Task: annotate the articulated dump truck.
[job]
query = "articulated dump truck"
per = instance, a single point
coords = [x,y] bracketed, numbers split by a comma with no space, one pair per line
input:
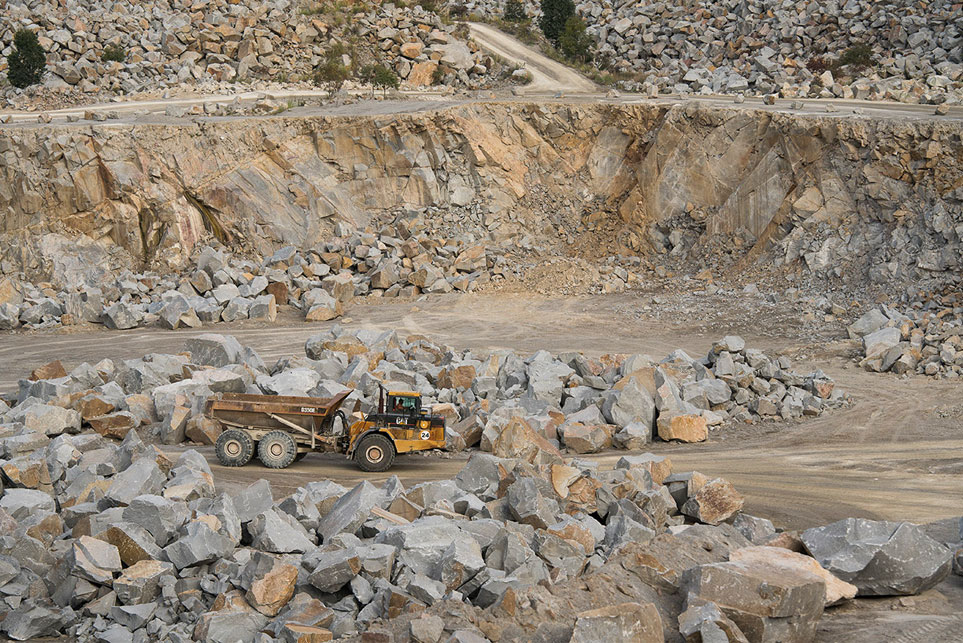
[283,429]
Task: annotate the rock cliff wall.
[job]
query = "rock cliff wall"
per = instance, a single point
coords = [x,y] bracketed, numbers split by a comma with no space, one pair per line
[846,197]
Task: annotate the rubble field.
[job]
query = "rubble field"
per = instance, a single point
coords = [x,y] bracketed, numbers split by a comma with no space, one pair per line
[700,372]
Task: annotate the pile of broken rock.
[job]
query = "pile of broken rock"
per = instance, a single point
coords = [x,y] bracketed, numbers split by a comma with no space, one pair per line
[121,543]
[171,44]
[927,342]
[219,287]
[499,401]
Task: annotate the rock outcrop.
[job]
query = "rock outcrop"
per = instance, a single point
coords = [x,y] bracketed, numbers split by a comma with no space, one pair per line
[847,199]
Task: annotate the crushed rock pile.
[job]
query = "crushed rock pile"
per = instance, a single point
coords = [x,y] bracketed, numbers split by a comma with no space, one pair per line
[732,46]
[927,341]
[218,286]
[214,45]
[498,401]
[121,543]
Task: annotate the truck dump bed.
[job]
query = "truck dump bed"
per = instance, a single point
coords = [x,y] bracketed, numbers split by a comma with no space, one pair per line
[272,412]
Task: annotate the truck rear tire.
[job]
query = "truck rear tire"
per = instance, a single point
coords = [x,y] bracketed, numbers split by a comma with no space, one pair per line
[234,448]
[277,450]
[375,452]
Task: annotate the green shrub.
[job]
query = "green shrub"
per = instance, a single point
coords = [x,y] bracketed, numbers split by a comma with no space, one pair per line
[113,53]
[514,11]
[574,42]
[457,10]
[331,74]
[384,78]
[27,62]
[857,57]
[555,13]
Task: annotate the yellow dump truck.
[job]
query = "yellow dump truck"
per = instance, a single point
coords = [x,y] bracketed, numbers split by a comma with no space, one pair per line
[283,429]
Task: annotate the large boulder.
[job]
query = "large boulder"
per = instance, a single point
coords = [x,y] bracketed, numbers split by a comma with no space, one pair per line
[637,622]
[769,603]
[629,403]
[881,558]
[214,350]
[519,440]
[583,438]
[714,502]
[837,590]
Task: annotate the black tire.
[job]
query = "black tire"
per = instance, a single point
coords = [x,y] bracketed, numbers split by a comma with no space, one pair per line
[277,450]
[375,452]
[234,448]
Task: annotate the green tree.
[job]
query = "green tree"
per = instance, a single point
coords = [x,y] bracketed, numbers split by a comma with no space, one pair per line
[555,13]
[574,42]
[384,78]
[514,11]
[27,61]
[332,73]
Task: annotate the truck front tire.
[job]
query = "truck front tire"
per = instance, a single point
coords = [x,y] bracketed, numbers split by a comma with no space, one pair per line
[234,448]
[374,452]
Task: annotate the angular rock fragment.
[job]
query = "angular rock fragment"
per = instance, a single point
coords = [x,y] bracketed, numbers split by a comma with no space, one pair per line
[836,589]
[715,502]
[624,622]
[881,558]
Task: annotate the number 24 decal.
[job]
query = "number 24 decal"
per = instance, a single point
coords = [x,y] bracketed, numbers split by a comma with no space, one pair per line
[425,435]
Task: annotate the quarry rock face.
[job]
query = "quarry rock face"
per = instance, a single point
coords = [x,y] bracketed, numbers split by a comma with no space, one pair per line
[890,182]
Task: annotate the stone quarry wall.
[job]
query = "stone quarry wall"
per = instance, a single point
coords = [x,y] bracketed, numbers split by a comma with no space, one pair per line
[847,197]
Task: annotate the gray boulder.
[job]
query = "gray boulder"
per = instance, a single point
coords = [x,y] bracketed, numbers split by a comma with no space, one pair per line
[32,620]
[277,532]
[214,350]
[199,544]
[632,404]
[334,570]
[254,500]
[121,316]
[350,511]
[881,558]
[23,503]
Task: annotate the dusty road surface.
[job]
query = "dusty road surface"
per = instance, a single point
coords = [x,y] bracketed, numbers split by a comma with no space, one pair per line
[548,76]
[895,453]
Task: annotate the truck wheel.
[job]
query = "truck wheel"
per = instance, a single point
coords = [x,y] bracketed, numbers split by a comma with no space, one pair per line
[277,449]
[375,452]
[234,448]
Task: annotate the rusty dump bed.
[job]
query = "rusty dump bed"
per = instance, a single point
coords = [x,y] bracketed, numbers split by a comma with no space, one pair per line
[256,411]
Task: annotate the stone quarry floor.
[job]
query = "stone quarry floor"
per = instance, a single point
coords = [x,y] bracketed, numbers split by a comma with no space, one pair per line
[895,453]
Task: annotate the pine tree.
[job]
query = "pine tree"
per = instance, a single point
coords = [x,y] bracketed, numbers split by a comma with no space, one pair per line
[27,61]
[555,13]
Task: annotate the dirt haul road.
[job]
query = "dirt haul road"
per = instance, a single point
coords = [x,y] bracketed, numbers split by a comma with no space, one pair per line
[894,454]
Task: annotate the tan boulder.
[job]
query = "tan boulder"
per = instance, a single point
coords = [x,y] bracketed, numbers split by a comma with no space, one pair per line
[93,405]
[271,592]
[422,74]
[837,590]
[683,427]
[113,425]
[457,377]
[412,49]
[519,440]
[716,501]
[203,430]
[637,622]
[50,371]
[305,633]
